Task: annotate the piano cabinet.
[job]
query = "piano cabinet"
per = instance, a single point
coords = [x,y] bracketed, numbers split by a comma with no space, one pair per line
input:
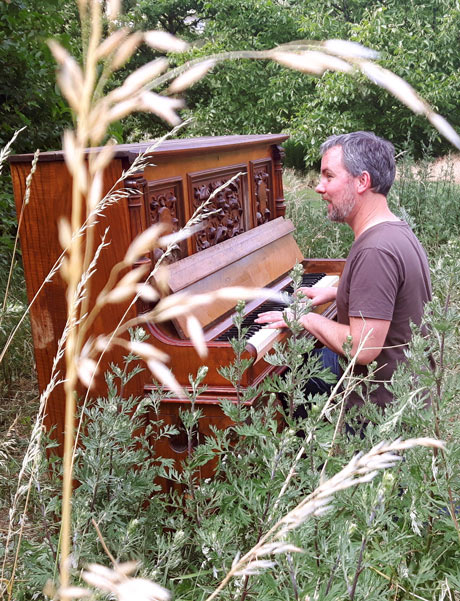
[177,177]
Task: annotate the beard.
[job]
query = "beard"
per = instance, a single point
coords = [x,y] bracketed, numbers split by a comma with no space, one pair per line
[339,212]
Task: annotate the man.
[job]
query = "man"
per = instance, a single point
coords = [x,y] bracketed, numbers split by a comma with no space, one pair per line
[386,280]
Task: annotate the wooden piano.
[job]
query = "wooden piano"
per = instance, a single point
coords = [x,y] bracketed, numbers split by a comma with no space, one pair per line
[248,242]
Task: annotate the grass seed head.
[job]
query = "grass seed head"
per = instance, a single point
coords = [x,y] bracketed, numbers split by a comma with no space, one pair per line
[141,77]
[125,51]
[311,61]
[395,85]
[191,76]
[64,233]
[86,369]
[162,106]
[195,333]
[112,9]
[161,40]
[103,158]
[111,43]
[147,351]
[349,49]
[147,293]
[144,243]
[165,376]
[444,128]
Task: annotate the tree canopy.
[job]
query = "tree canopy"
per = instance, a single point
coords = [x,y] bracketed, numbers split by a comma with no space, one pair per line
[416,39]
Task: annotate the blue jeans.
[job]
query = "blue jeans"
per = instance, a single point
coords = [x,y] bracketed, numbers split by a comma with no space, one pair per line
[327,359]
[315,385]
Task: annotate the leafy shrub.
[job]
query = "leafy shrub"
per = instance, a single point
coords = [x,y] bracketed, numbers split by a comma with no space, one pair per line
[397,533]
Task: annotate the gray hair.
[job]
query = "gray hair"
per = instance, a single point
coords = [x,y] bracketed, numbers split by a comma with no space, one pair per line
[364,151]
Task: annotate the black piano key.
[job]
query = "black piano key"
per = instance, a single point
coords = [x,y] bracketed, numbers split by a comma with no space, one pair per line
[308,279]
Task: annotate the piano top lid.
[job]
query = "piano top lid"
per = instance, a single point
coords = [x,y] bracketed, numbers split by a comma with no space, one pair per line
[182,146]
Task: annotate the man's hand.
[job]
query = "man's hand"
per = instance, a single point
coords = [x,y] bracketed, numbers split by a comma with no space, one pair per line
[273,319]
[318,296]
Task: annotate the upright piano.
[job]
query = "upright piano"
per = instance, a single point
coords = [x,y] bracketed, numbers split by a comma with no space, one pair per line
[246,242]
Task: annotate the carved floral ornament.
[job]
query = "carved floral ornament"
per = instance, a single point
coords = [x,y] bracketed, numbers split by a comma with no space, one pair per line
[228,221]
[263,195]
[163,207]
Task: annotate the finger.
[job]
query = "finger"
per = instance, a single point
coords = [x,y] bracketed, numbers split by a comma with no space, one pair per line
[266,320]
[309,292]
[268,316]
[275,325]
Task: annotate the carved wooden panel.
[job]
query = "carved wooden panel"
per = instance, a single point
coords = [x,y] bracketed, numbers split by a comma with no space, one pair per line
[228,208]
[135,199]
[278,155]
[137,223]
[164,204]
[262,191]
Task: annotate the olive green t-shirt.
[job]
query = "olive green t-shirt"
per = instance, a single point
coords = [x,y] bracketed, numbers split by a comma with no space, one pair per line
[386,276]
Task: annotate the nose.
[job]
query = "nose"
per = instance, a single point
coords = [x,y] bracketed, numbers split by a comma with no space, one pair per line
[320,187]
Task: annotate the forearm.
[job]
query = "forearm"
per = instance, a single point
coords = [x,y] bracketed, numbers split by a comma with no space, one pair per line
[368,335]
[328,332]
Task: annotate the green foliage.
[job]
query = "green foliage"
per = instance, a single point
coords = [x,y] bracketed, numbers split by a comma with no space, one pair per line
[29,96]
[393,534]
[429,204]
[314,233]
[117,490]
[422,52]
[17,365]
[252,97]
[249,96]
[234,372]
[13,302]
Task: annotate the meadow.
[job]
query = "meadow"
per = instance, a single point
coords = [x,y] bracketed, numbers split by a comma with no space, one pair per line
[298,508]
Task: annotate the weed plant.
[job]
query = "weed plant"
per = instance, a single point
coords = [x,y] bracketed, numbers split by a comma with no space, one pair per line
[430,205]
[395,535]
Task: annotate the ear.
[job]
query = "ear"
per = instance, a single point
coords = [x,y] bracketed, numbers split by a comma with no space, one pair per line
[364,182]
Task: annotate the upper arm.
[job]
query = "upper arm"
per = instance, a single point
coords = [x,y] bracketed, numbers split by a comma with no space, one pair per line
[372,298]
[370,334]
[374,284]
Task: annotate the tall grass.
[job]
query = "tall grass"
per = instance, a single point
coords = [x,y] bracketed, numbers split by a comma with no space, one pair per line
[220,528]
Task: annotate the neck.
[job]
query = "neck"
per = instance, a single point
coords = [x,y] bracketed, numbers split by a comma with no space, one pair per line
[372,210]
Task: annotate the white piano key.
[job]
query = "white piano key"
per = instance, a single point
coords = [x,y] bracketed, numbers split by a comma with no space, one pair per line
[327,281]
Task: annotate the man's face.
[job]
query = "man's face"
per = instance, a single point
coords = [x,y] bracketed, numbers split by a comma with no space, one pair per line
[336,186]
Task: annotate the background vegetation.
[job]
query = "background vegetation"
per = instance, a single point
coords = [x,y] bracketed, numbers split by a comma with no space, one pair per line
[417,39]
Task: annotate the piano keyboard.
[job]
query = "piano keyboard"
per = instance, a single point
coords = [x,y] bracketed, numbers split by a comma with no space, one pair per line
[261,338]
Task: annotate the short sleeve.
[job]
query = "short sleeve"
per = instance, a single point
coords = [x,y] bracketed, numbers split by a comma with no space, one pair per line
[374,284]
